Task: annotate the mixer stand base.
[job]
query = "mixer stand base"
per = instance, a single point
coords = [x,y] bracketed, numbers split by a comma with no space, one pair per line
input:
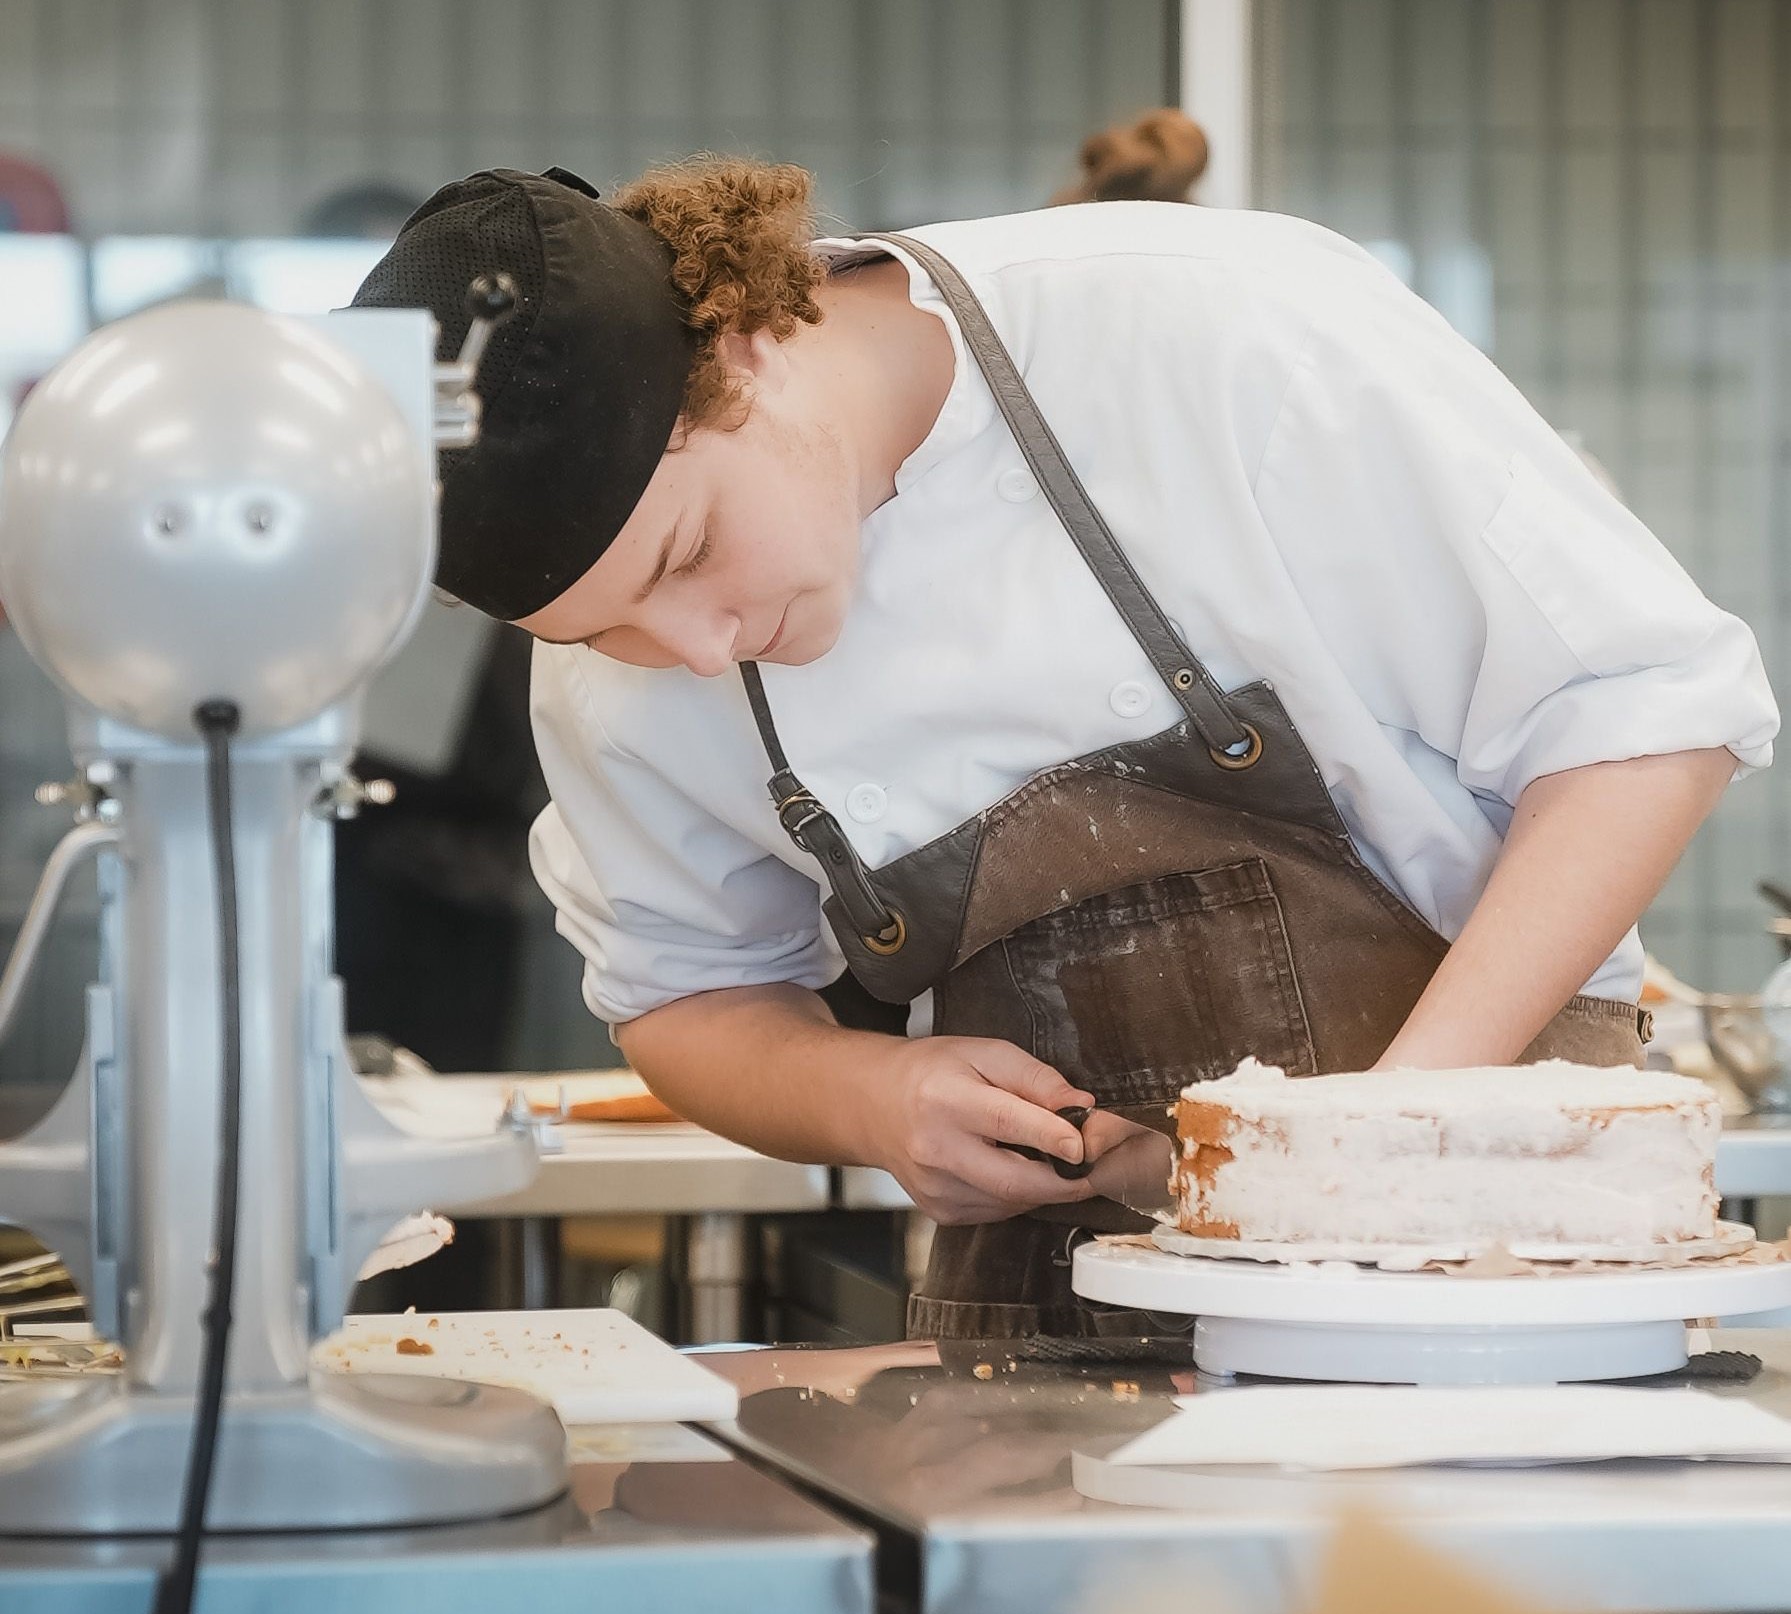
[85,1457]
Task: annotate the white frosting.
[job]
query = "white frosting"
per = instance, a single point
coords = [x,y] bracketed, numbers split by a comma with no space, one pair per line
[1255,1089]
[1542,1153]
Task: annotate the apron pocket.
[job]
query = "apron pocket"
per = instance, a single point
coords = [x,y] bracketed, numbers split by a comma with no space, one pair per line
[1137,993]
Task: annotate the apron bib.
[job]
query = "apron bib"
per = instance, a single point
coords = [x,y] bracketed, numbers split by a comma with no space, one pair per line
[1140,918]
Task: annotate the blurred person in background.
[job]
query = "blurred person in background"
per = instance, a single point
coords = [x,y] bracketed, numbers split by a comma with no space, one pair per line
[368,210]
[1155,158]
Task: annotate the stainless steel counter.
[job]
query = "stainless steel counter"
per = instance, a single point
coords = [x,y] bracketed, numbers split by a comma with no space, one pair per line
[661,1520]
[992,1494]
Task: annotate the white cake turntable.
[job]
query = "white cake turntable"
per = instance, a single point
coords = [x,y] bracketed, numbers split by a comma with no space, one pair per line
[1349,1320]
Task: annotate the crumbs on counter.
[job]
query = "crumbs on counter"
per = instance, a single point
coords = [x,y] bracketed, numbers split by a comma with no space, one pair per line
[983,1370]
[1125,1390]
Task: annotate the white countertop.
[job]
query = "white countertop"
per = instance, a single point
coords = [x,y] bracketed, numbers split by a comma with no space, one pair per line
[604,1168]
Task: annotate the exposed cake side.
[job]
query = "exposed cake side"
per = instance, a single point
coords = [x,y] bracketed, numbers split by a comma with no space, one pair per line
[1552,1153]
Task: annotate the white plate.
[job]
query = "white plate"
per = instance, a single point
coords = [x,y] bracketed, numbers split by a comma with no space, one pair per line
[1730,1239]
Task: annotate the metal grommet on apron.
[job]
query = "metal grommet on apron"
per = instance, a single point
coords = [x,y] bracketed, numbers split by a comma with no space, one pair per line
[890,940]
[1219,909]
[1243,756]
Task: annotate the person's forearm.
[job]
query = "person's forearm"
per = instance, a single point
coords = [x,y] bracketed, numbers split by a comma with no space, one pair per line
[1586,853]
[767,1066]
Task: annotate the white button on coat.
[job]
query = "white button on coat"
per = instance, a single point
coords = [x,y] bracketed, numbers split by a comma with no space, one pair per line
[1017,486]
[1130,699]
[865,804]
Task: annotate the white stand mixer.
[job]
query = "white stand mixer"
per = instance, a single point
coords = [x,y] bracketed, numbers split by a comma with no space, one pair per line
[206,503]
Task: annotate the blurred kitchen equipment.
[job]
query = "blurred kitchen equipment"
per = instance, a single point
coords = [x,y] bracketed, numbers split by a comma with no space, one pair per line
[1746,1036]
[1745,1047]
[1779,926]
[215,524]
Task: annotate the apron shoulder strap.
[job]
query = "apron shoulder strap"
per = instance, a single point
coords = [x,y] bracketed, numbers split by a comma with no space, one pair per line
[1232,743]
[817,832]
[1192,685]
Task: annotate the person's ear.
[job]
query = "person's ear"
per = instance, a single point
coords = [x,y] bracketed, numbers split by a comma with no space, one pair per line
[759,361]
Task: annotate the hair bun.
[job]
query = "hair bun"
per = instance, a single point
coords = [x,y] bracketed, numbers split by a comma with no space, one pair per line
[1157,158]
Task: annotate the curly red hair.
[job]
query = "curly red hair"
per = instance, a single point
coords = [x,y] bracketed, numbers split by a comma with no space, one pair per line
[740,234]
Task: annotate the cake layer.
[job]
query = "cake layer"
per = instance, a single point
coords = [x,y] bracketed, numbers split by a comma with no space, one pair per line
[1551,1153]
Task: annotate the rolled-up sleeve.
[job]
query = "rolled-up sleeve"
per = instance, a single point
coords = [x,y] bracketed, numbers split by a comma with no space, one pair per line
[662,899]
[1473,579]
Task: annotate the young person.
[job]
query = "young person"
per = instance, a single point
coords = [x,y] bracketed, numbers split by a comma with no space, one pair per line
[1166,641]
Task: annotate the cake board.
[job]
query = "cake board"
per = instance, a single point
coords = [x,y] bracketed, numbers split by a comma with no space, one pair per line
[1729,1238]
[1357,1324]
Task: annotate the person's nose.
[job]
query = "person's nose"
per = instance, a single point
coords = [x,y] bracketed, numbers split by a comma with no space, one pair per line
[702,641]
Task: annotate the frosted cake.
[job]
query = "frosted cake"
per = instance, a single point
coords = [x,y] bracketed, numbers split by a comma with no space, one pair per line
[1537,1154]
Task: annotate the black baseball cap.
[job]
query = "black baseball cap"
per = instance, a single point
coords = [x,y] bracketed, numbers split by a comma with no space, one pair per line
[581,386]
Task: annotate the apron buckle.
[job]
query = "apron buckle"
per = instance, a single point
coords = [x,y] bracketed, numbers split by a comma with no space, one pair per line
[796,813]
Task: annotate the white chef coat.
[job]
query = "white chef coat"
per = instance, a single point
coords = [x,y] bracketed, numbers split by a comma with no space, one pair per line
[1324,487]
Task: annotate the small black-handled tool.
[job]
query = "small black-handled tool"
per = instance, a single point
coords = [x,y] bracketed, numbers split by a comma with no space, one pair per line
[1077,1115]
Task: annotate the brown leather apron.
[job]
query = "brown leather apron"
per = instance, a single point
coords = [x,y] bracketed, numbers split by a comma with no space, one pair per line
[1140,918]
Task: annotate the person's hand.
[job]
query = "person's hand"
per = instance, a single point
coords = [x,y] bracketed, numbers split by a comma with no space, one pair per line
[946,1102]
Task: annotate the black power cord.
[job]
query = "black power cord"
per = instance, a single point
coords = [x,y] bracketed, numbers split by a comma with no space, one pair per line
[217,721]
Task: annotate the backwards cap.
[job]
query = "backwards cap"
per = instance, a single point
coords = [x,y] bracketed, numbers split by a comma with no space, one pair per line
[581,386]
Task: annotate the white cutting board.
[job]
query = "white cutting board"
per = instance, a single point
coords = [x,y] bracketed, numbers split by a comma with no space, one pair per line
[597,1366]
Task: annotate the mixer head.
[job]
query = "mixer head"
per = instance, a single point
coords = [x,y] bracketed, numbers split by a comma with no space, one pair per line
[210,502]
